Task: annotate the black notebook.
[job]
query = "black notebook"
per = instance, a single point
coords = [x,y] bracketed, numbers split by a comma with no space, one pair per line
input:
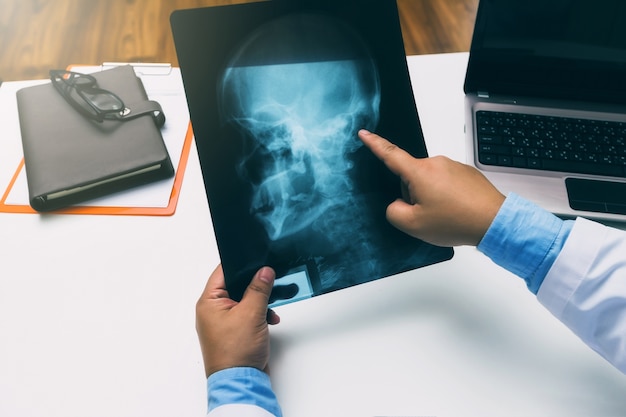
[70,158]
[277,91]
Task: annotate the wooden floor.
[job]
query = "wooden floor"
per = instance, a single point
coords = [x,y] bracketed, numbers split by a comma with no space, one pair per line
[37,35]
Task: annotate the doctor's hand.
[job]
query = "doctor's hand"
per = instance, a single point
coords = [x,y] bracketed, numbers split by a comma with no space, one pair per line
[445,203]
[235,334]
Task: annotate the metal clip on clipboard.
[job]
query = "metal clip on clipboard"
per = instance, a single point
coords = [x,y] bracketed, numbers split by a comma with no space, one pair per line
[142,68]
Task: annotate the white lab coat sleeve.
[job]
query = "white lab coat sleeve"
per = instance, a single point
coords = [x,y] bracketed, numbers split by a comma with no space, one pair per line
[586,288]
[239,410]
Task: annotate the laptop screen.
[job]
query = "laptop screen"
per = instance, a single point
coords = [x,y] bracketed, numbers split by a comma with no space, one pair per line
[574,49]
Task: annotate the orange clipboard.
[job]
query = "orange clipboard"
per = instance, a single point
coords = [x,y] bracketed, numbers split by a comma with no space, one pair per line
[168,210]
[165,210]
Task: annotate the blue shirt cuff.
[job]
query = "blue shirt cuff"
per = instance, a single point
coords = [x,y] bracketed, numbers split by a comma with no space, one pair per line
[525,239]
[242,386]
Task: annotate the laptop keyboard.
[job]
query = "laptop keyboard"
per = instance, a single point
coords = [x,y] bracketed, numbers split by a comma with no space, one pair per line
[551,143]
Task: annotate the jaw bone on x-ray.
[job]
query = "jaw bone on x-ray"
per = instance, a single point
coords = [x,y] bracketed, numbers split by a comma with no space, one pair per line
[300,94]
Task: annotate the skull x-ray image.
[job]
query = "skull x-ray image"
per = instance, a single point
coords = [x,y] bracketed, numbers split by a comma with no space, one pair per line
[300,120]
[289,183]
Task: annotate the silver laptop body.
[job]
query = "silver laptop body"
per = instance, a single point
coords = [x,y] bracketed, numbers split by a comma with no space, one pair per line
[548,60]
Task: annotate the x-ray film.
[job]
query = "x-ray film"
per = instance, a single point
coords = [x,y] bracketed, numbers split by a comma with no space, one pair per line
[277,91]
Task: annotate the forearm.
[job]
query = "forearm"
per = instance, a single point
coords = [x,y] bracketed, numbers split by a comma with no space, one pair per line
[525,239]
[577,269]
[234,390]
[586,289]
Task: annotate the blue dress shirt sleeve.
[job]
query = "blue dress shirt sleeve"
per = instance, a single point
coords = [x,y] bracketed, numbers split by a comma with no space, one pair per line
[248,386]
[525,239]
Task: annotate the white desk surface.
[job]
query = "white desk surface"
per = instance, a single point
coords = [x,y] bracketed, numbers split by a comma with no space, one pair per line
[97,318]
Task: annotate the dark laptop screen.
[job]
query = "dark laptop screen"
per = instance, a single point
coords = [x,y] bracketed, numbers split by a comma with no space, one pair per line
[550,48]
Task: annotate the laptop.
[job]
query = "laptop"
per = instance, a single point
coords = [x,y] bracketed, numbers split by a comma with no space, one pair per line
[546,103]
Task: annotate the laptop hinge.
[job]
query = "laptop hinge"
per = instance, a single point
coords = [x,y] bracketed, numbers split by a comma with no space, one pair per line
[483,94]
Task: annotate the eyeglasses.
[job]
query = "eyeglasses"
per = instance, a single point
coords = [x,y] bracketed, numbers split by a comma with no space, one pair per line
[82,92]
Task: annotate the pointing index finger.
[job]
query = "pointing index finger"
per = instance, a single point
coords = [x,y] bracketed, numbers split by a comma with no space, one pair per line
[394,157]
